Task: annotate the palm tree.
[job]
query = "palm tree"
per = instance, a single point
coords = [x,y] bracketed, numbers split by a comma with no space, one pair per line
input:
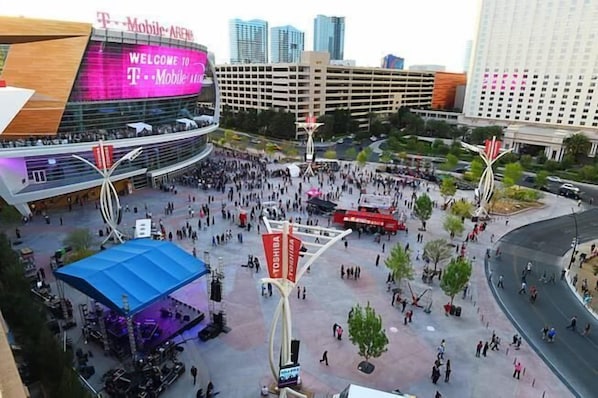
[577,145]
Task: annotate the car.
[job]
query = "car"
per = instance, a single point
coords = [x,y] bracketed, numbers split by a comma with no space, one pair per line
[255,141]
[373,138]
[340,141]
[570,187]
[554,179]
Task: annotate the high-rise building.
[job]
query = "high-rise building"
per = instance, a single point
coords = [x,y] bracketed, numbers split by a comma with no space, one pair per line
[467,55]
[329,35]
[248,41]
[534,71]
[393,62]
[287,43]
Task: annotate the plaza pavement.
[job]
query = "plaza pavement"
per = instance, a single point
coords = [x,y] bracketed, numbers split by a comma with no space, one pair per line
[237,362]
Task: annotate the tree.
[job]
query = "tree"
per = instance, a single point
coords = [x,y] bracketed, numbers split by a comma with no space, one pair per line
[541,179]
[423,209]
[577,145]
[386,156]
[79,239]
[362,158]
[399,263]
[462,209]
[351,153]
[453,225]
[402,156]
[455,277]
[512,174]
[437,250]
[330,154]
[479,134]
[229,136]
[450,163]
[476,169]
[448,188]
[366,332]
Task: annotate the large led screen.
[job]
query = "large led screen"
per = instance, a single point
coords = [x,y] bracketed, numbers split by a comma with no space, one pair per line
[111,71]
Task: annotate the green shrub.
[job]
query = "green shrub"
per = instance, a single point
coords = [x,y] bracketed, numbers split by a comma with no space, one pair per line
[522,194]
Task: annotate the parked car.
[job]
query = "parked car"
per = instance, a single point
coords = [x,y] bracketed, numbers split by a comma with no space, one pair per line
[373,138]
[554,179]
[340,141]
[570,187]
[255,141]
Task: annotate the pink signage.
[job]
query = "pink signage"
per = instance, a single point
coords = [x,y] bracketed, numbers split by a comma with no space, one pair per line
[111,71]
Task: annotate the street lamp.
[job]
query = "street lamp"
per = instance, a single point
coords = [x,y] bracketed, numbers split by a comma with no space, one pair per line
[575,240]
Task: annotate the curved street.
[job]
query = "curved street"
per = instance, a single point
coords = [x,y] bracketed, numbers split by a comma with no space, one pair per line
[572,356]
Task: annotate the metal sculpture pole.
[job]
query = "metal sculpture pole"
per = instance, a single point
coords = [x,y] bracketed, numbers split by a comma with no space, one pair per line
[490,154]
[285,286]
[109,201]
[310,126]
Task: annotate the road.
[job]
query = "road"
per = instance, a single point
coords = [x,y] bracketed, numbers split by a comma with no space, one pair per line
[573,356]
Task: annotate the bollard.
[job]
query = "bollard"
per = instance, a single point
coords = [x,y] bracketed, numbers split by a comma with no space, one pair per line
[507,352]
[514,360]
[523,371]
[533,382]
[487,323]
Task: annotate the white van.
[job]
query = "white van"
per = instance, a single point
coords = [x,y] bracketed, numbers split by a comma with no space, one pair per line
[355,391]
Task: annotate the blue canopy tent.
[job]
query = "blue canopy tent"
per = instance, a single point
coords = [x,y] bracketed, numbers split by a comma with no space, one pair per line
[144,270]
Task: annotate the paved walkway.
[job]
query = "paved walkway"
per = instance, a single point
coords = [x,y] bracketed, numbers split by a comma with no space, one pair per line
[237,362]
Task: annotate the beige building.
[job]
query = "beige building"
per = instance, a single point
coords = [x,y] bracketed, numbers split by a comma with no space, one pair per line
[11,385]
[316,87]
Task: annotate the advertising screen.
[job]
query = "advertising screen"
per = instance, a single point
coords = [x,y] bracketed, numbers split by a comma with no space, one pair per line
[111,71]
[288,376]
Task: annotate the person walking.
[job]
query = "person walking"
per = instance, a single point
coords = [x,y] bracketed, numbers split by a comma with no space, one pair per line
[298,292]
[544,331]
[339,332]
[194,374]
[377,260]
[485,349]
[517,371]
[303,293]
[478,349]
[586,330]
[523,287]
[334,328]
[573,323]
[324,358]
[435,374]
[500,282]
[447,371]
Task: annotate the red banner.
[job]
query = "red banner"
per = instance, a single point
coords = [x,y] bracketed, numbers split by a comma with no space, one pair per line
[273,250]
[293,253]
[105,162]
[274,259]
[490,151]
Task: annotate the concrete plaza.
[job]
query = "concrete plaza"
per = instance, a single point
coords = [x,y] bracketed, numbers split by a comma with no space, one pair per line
[237,362]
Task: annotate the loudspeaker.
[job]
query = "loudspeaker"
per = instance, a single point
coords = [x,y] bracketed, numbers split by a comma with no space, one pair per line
[295,351]
[219,319]
[216,290]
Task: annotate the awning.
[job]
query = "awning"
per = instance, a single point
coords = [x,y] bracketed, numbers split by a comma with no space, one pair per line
[188,123]
[358,220]
[140,126]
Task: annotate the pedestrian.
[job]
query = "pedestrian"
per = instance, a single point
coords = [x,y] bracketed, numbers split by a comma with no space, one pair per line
[194,374]
[523,287]
[490,276]
[383,247]
[61,221]
[298,292]
[263,289]
[324,358]
[339,332]
[199,393]
[409,315]
[303,292]
[447,371]
[573,323]
[334,327]
[551,335]
[500,282]
[269,289]
[586,330]
[403,305]
[209,390]
[517,371]
[435,374]
[42,274]
[346,245]
[544,331]
[485,349]
[478,348]
[342,271]
[377,260]
[438,394]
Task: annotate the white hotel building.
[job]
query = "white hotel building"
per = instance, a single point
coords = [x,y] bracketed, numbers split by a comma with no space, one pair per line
[534,70]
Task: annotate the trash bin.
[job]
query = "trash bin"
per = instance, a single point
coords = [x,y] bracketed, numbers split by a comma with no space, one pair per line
[458,311]
[135,209]
[101,232]
[453,309]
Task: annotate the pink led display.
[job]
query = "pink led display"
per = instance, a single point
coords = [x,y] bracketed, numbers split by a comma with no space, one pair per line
[128,71]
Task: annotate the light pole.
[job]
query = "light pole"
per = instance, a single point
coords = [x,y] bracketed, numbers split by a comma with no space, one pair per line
[109,202]
[288,275]
[575,240]
[310,126]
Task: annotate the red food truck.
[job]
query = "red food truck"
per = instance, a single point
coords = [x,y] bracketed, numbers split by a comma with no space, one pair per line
[356,219]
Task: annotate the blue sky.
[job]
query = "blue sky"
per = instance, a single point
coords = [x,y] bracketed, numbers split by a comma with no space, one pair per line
[422,31]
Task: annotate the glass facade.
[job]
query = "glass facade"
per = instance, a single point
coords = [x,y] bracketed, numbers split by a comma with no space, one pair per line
[329,35]
[49,171]
[248,41]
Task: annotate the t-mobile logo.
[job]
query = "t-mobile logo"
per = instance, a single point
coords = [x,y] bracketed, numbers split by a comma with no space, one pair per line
[104,19]
[133,74]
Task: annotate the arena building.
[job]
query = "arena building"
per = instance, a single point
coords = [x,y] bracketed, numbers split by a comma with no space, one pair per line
[64,86]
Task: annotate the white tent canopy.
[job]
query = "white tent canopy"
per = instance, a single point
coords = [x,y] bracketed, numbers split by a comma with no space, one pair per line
[294,170]
[140,126]
[189,124]
[204,118]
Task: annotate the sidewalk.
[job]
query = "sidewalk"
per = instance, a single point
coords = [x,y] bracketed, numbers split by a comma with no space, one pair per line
[237,362]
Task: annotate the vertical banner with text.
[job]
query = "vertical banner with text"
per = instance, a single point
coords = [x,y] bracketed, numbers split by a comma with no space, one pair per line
[104,162]
[273,249]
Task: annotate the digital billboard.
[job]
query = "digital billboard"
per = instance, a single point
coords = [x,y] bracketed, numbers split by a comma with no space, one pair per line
[288,375]
[111,71]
